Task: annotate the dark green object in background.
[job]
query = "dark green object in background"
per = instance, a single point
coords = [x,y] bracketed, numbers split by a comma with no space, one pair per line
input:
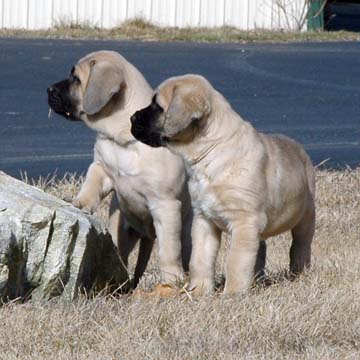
[315,19]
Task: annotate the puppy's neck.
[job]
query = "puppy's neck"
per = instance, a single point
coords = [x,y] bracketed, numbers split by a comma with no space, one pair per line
[225,131]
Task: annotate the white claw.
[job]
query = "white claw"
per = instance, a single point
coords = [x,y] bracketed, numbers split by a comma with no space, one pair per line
[49,115]
[67,114]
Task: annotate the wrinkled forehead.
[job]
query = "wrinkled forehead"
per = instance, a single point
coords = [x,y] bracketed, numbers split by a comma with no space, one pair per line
[183,84]
[100,56]
[85,61]
[81,70]
[163,93]
[82,67]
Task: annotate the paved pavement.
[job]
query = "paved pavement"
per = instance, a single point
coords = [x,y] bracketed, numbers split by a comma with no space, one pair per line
[310,91]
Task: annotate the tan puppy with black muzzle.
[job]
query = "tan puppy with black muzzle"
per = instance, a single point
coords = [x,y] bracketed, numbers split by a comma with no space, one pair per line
[103,90]
[242,182]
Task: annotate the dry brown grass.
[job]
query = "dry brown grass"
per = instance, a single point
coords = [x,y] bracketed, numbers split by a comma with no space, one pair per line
[315,317]
[139,29]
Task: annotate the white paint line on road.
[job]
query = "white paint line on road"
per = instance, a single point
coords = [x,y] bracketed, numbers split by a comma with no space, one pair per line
[42,158]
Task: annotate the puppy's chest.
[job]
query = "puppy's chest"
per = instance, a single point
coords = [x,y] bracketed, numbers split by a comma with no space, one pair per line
[206,200]
[122,167]
[118,161]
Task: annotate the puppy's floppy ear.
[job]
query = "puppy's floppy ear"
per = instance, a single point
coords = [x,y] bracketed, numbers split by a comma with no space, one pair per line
[186,106]
[104,81]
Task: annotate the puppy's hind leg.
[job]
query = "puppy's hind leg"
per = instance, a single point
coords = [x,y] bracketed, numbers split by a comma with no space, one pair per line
[186,241]
[114,221]
[145,249]
[300,251]
[260,262]
[125,238]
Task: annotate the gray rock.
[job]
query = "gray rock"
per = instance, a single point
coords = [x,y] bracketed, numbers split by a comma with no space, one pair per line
[49,248]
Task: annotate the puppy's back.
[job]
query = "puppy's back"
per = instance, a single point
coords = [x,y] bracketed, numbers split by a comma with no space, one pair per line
[293,155]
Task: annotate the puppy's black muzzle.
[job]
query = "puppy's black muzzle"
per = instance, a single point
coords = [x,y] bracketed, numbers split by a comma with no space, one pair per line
[59,99]
[143,127]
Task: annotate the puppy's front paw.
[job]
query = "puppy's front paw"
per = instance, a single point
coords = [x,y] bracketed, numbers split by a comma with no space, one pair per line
[201,287]
[77,203]
[68,198]
[81,205]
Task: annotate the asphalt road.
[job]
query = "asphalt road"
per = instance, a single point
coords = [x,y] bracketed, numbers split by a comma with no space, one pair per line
[309,91]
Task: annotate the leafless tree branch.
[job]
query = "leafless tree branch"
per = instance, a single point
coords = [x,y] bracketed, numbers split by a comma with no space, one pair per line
[299,19]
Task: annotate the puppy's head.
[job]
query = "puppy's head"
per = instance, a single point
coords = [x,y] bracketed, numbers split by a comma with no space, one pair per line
[178,110]
[91,85]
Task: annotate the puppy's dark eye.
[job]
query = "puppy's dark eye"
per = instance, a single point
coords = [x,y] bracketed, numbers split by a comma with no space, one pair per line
[74,78]
[157,107]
